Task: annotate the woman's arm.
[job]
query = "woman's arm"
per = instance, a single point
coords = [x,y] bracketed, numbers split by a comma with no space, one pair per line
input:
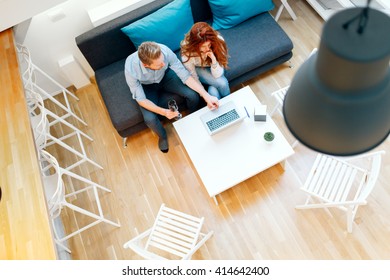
[216,68]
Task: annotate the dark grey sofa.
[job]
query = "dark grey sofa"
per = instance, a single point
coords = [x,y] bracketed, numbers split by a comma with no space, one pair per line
[255,46]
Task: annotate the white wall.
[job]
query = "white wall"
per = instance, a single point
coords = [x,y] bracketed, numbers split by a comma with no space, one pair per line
[50,41]
[13,12]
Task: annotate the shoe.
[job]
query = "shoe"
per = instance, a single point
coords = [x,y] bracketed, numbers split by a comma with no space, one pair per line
[163,145]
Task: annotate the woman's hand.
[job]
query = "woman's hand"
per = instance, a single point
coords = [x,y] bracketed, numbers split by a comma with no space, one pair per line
[212,56]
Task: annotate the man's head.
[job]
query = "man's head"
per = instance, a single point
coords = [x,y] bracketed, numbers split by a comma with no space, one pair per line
[151,56]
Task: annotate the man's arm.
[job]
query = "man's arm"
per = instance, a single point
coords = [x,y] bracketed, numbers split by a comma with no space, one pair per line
[138,93]
[132,81]
[212,101]
[176,65]
[149,105]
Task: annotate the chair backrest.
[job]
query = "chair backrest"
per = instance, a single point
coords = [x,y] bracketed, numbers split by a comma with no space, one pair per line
[175,232]
[372,176]
[279,98]
[26,66]
[342,180]
[39,122]
[53,184]
[281,93]
[330,179]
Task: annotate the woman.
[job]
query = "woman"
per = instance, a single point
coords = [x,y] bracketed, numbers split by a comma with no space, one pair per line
[204,54]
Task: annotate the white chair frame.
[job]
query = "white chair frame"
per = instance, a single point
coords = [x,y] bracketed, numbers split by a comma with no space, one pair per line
[41,128]
[285,4]
[279,98]
[56,196]
[337,182]
[174,232]
[29,81]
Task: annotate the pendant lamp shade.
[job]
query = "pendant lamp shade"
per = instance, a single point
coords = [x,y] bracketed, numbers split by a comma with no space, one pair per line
[338,102]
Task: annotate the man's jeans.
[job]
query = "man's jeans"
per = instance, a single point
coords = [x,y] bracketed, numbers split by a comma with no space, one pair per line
[170,83]
[218,87]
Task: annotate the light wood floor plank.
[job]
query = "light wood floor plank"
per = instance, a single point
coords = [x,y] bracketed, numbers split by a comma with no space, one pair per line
[255,219]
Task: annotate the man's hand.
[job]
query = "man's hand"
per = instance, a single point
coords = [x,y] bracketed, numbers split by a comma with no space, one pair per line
[212,102]
[170,114]
[149,105]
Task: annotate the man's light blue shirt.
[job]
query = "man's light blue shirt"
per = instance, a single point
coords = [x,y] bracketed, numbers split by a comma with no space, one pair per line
[137,74]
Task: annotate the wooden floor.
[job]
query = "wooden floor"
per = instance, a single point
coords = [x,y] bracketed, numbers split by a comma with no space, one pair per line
[255,219]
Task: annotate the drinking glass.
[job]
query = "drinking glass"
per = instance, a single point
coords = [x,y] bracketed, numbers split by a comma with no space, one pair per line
[173,107]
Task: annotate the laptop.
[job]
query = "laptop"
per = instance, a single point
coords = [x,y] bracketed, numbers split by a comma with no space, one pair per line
[219,119]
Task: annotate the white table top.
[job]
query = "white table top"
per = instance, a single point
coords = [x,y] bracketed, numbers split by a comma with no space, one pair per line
[235,154]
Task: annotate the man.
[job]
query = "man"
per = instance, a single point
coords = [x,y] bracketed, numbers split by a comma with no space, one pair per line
[154,67]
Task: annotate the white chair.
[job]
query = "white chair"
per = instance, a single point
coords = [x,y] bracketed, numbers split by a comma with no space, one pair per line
[284,4]
[342,183]
[41,125]
[57,198]
[30,71]
[279,98]
[174,234]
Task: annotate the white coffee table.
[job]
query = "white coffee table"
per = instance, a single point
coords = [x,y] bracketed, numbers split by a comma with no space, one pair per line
[236,153]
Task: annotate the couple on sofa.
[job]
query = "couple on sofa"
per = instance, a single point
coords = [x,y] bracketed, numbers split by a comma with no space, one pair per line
[155,67]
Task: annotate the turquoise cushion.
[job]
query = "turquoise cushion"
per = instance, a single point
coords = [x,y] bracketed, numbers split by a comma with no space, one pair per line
[228,13]
[167,25]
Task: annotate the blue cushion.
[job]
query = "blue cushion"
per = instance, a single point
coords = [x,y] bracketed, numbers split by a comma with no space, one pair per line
[228,13]
[167,25]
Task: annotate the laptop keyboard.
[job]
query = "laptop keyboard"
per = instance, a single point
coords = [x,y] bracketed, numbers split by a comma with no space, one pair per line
[222,120]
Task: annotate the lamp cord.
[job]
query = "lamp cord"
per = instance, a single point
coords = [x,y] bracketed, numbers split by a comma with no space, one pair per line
[363,19]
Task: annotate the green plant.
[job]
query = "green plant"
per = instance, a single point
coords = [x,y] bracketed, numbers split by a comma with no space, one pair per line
[269,136]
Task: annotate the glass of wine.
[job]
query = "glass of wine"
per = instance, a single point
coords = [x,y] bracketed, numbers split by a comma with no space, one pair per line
[174,108]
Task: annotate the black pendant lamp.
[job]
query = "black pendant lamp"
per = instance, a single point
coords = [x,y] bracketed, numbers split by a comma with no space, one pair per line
[339,100]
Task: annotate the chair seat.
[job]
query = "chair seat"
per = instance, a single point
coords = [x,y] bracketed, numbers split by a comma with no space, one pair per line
[41,126]
[332,180]
[39,130]
[56,196]
[53,198]
[174,234]
[341,183]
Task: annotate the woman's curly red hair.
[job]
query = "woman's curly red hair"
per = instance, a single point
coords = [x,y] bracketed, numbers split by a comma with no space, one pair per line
[200,33]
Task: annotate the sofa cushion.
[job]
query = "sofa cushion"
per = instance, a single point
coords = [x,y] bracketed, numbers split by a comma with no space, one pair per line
[201,11]
[229,13]
[123,109]
[167,25]
[249,52]
[106,43]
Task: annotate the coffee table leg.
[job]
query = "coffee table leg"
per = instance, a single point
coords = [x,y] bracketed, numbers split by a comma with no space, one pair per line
[215,200]
[283,164]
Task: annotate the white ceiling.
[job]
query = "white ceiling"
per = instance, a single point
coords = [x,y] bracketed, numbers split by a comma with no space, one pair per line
[13,12]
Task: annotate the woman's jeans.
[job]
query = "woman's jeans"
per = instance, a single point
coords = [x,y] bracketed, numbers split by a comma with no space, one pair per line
[218,87]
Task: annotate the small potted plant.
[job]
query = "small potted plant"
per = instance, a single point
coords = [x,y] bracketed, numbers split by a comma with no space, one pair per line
[269,137]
